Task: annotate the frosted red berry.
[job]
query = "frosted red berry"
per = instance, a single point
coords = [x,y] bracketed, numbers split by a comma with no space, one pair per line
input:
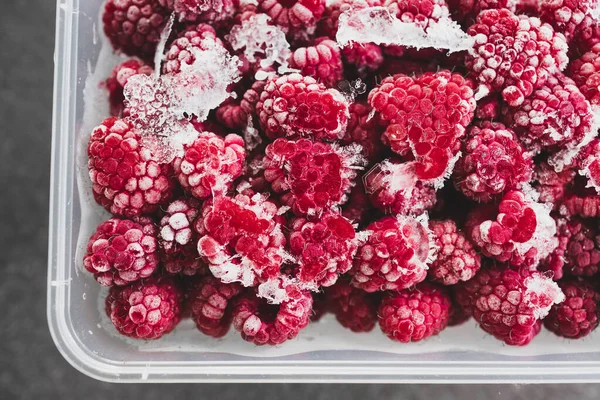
[582,250]
[328,24]
[467,10]
[412,315]
[488,108]
[215,12]
[293,15]
[568,16]
[585,205]
[353,308]
[552,185]
[117,81]
[322,61]
[364,129]
[585,72]
[182,51]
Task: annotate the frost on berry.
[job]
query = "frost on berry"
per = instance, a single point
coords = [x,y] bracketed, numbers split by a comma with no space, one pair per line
[552,185]
[514,54]
[353,308]
[541,293]
[493,162]
[585,71]
[465,11]
[569,16]
[396,254]
[117,81]
[363,129]
[312,177]
[578,252]
[588,162]
[189,44]
[241,238]
[215,12]
[294,16]
[322,61]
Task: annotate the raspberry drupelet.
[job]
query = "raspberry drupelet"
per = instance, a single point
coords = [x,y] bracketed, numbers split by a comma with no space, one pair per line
[312,177]
[122,251]
[322,61]
[323,247]
[262,323]
[456,259]
[210,303]
[147,309]
[295,105]
[578,314]
[353,308]
[293,16]
[514,54]
[568,16]
[585,72]
[395,256]
[134,26]
[493,162]
[215,12]
[412,315]
[117,81]
[194,38]
[125,179]
[509,304]
[210,164]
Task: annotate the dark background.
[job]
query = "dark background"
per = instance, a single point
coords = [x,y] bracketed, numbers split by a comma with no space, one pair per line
[30,365]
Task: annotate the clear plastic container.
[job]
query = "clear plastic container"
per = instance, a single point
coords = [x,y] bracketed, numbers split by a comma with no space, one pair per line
[324,352]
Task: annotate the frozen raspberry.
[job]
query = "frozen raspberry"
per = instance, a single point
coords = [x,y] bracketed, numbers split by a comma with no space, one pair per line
[412,315]
[588,162]
[363,129]
[294,15]
[395,256]
[122,251]
[125,179]
[358,208]
[134,26]
[147,309]
[578,315]
[584,41]
[312,177]
[493,162]
[581,248]
[488,108]
[520,231]
[231,114]
[117,80]
[295,105]
[585,71]
[467,10]
[328,25]
[568,16]
[262,323]
[551,185]
[324,248]
[365,57]
[514,54]
[585,205]
[456,259]
[210,303]
[528,7]
[241,238]
[425,115]
[322,61]
[210,164]
[394,189]
[509,304]
[354,308]
[214,12]
[194,37]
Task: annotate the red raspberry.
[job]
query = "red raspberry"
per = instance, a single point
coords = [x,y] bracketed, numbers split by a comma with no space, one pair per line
[210,303]
[529,7]
[363,129]
[467,10]
[324,248]
[492,163]
[241,238]
[588,161]
[134,26]
[328,25]
[294,16]
[509,304]
[585,40]
[488,108]
[295,105]
[425,115]
[582,249]
[395,256]
[354,308]
[585,71]
[577,316]
[568,16]
[231,115]
[322,61]
[122,251]
[585,205]
[412,315]
[147,309]
[551,185]
[514,54]
[358,208]
[262,323]
[311,176]
[194,37]
[365,57]
[214,12]
[125,179]
[456,259]
[117,80]
[210,164]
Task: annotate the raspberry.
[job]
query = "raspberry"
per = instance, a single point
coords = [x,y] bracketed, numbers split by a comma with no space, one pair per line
[117,80]
[581,246]
[488,108]
[312,177]
[584,205]
[122,251]
[467,10]
[294,16]
[322,61]
[231,114]
[125,179]
[296,105]
[514,54]
[363,129]
[214,12]
[324,248]
[354,308]
[134,26]
[328,25]
[210,164]
[456,259]
[492,162]
[262,323]
[241,238]
[147,309]
[358,208]
[551,185]
[585,40]
[578,315]
[210,303]
[365,57]
[585,71]
[412,315]
[425,115]
[568,16]
[588,161]
[194,37]
[395,255]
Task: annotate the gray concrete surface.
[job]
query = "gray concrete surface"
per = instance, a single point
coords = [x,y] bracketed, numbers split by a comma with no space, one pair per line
[30,366]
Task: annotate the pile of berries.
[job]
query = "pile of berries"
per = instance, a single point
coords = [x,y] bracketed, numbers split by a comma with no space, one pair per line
[356,181]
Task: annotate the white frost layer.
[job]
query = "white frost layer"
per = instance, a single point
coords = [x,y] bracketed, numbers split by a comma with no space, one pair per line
[544,237]
[377,25]
[542,293]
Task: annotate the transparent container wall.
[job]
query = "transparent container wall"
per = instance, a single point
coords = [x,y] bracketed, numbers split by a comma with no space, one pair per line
[324,352]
